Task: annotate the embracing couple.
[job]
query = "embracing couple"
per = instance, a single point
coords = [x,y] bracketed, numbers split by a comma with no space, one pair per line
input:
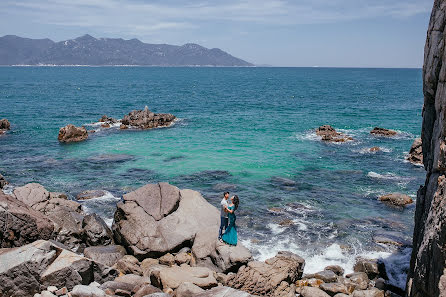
[228,208]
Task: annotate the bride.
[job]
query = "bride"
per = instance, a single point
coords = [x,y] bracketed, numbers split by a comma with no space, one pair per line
[230,235]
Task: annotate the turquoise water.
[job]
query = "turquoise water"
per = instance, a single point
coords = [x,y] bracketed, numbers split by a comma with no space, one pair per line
[246,130]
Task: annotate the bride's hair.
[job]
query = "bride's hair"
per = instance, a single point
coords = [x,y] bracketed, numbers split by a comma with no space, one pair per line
[236,202]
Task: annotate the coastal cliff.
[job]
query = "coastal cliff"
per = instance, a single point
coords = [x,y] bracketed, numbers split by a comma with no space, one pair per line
[427,275]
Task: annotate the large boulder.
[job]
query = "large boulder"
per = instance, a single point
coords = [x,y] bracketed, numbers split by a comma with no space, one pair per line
[415,155]
[96,231]
[107,255]
[329,134]
[71,133]
[20,224]
[396,199]
[171,217]
[145,119]
[210,252]
[382,132]
[269,278]
[29,269]
[173,277]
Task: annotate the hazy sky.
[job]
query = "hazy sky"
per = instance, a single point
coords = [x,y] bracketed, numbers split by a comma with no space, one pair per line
[358,33]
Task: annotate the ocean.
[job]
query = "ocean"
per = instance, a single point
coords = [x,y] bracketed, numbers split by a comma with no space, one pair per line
[246,130]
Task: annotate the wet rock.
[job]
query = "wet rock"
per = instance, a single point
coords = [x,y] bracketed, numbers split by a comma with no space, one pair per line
[396,199]
[372,267]
[71,133]
[313,292]
[107,125]
[188,290]
[336,269]
[173,277]
[329,134]
[310,282]
[4,125]
[375,149]
[373,292]
[128,265]
[106,119]
[123,127]
[29,269]
[91,194]
[171,219]
[333,288]
[415,155]
[107,255]
[20,224]
[265,278]
[220,257]
[3,181]
[328,276]
[96,231]
[145,119]
[382,132]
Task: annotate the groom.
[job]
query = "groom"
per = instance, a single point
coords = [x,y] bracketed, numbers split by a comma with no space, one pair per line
[223,214]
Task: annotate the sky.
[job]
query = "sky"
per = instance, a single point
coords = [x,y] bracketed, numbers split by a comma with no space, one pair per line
[299,33]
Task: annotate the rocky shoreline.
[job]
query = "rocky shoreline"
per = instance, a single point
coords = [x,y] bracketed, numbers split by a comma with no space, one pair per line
[162,243]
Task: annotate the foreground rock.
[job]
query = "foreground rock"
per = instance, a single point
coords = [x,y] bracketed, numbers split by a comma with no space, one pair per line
[274,277]
[416,152]
[329,134]
[396,199]
[173,277]
[427,274]
[20,224]
[4,126]
[32,268]
[383,132]
[71,133]
[145,119]
[171,217]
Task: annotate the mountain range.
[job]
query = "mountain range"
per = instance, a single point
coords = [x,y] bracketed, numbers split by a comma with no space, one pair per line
[87,50]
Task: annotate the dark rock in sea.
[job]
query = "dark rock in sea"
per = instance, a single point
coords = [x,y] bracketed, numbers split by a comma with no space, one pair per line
[110,158]
[107,255]
[145,119]
[174,158]
[207,176]
[71,133]
[274,277]
[396,199]
[221,187]
[139,174]
[282,181]
[375,149]
[172,219]
[96,232]
[20,224]
[4,126]
[382,132]
[329,134]
[390,238]
[286,222]
[372,267]
[106,125]
[123,127]
[415,155]
[3,181]
[29,269]
[91,194]
[108,120]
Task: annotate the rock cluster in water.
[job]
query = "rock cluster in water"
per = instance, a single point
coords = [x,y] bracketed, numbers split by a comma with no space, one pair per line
[383,132]
[145,119]
[4,126]
[163,242]
[71,133]
[329,134]
[427,274]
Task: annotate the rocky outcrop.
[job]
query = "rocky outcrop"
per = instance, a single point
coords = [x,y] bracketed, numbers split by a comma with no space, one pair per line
[3,181]
[4,126]
[383,132]
[396,199]
[329,134]
[145,119]
[415,155]
[29,269]
[172,217]
[427,274]
[20,224]
[71,133]
[274,277]
[106,119]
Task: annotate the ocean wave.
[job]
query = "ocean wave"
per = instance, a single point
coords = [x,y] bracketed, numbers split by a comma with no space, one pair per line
[104,206]
[366,150]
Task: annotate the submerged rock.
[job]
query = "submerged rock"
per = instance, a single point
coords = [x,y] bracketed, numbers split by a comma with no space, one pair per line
[145,119]
[4,126]
[396,199]
[71,133]
[415,155]
[375,149]
[329,134]
[382,132]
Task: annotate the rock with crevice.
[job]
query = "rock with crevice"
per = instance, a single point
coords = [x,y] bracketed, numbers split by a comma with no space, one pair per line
[145,119]
[415,155]
[96,231]
[71,133]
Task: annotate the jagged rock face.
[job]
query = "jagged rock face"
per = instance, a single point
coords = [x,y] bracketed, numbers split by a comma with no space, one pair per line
[427,274]
[416,152]
[71,133]
[145,119]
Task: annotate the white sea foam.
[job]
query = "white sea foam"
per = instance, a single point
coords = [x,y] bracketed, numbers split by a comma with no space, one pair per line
[8,189]
[103,206]
[366,150]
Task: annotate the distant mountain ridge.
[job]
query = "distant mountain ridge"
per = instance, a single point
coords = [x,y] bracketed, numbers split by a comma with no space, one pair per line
[87,50]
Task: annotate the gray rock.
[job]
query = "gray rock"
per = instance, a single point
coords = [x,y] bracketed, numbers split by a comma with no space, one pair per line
[87,291]
[328,276]
[47,294]
[188,290]
[415,155]
[107,255]
[71,133]
[96,231]
[336,269]
[166,228]
[33,195]
[373,292]
[128,265]
[173,277]
[3,181]
[20,224]
[372,267]
[223,292]
[313,292]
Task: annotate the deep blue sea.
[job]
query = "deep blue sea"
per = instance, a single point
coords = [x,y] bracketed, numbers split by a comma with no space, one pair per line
[246,130]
